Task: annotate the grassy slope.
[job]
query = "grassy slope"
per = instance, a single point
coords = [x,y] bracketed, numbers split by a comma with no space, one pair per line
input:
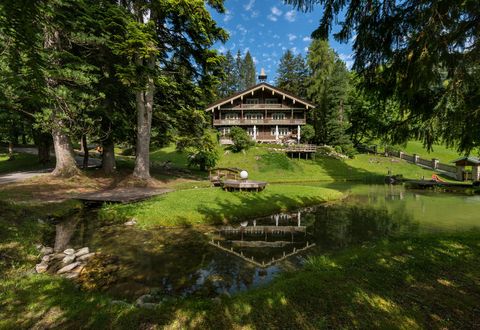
[277,167]
[213,205]
[441,152]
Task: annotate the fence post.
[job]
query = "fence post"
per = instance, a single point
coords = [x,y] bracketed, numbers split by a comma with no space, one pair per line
[415,158]
[400,154]
[435,163]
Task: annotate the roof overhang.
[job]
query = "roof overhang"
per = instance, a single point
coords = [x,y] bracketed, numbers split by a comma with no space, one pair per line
[253,89]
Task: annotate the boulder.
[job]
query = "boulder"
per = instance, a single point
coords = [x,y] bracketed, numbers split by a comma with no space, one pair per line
[69,251]
[82,252]
[46,250]
[46,258]
[132,222]
[68,268]
[86,256]
[41,267]
[68,259]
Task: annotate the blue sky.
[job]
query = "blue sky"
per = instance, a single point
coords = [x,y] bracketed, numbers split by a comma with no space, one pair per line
[267,28]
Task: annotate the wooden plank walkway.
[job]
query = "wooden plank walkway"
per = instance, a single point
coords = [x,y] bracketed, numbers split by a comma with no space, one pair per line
[122,195]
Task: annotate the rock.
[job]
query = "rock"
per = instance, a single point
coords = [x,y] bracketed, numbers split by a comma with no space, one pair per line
[57,256]
[146,301]
[69,258]
[131,222]
[119,303]
[46,250]
[41,267]
[69,251]
[86,256]
[68,268]
[46,258]
[82,252]
[71,275]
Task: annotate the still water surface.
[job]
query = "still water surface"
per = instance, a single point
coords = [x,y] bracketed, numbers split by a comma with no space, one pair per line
[207,261]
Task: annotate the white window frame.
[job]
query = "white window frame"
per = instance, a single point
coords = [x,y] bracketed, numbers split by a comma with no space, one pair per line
[250,131]
[278,116]
[252,101]
[271,101]
[283,131]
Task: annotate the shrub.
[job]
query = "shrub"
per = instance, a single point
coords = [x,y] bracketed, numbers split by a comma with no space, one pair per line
[241,140]
[307,133]
[203,152]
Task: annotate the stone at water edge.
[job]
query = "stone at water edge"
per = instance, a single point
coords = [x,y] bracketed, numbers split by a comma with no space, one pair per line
[82,252]
[46,258]
[68,259]
[131,222]
[69,251]
[46,250]
[41,267]
[86,256]
[68,268]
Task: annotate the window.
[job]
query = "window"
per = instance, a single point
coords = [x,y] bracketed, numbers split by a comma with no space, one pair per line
[231,116]
[254,116]
[282,131]
[278,116]
[272,131]
[225,131]
[271,101]
[250,131]
[251,101]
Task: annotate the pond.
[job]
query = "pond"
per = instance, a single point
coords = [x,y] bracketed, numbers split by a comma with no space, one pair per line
[207,261]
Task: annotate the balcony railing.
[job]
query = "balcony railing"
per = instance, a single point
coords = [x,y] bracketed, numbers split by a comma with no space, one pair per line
[267,121]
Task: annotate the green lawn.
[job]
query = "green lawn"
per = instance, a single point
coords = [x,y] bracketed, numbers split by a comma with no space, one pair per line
[441,152]
[213,205]
[22,162]
[270,166]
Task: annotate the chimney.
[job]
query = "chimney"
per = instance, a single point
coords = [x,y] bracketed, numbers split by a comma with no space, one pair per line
[262,77]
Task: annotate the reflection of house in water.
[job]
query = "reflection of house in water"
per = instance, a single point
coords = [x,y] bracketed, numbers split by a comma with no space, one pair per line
[265,241]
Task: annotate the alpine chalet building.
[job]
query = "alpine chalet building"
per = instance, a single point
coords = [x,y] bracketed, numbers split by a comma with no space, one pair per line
[267,113]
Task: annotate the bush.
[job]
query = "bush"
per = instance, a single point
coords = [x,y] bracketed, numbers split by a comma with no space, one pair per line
[241,140]
[203,152]
[307,133]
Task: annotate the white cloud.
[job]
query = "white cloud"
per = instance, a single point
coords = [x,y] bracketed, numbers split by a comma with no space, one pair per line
[291,16]
[294,50]
[276,36]
[291,37]
[255,60]
[222,49]
[261,24]
[241,29]
[307,39]
[228,16]
[275,11]
[255,13]
[272,18]
[305,49]
[347,58]
[249,5]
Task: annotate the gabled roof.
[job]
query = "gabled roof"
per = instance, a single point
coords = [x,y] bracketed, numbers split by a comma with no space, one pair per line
[471,160]
[255,88]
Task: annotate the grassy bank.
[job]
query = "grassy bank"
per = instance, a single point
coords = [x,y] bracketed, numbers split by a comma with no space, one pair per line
[213,205]
[428,281]
[22,162]
[276,167]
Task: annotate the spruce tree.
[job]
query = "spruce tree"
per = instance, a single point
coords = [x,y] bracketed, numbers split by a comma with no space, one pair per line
[292,74]
[248,71]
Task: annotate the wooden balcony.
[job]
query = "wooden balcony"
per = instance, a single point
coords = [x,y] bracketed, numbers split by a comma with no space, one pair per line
[266,121]
[262,106]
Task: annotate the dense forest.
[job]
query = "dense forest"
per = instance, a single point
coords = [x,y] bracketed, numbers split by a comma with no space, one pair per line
[84,71]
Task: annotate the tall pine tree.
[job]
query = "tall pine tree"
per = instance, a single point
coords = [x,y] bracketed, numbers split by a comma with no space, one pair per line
[292,74]
[248,73]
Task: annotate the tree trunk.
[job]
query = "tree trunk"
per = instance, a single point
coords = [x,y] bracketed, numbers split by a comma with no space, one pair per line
[85,152]
[65,165]
[108,156]
[144,104]
[43,142]
[10,151]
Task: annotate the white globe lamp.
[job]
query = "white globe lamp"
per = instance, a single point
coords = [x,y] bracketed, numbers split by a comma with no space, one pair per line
[244,175]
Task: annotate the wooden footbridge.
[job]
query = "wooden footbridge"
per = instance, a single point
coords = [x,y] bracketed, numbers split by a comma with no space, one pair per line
[301,150]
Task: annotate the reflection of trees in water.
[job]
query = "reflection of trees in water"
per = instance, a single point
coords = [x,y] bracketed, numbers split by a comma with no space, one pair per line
[64,231]
[341,225]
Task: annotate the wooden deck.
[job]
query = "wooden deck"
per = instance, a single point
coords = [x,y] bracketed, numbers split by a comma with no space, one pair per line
[122,195]
[262,230]
[243,185]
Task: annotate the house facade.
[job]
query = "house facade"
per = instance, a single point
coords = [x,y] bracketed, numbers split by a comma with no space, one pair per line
[267,113]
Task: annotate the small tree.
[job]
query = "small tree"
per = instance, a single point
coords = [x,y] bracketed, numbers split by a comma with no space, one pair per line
[204,152]
[307,133]
[241,140]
